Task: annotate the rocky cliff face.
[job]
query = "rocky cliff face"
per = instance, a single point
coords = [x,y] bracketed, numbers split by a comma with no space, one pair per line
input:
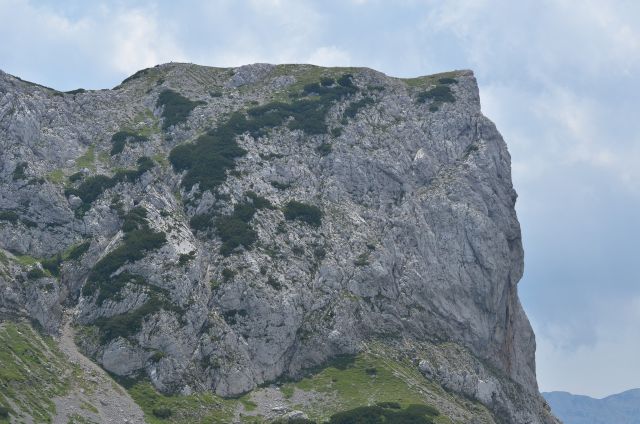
[216,229]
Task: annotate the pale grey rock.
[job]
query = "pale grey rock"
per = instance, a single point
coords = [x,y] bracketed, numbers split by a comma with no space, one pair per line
[420,237]
[120,358]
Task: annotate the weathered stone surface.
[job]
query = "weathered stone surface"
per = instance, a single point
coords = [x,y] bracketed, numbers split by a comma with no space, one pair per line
[419,239]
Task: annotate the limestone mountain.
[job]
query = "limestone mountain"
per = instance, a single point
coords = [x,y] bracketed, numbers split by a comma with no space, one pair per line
[223,232]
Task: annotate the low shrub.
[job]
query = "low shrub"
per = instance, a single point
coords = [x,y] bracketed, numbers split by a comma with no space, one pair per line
[28,223]
[228,274]
[440,94]
[76,177]
[362,259]
[324,149]
[309,214]
[135,219]
[184,258]
[76,91]
[162,413]
[234,230]
[9,216]
[201,222]
[346,80]
[274,283]
[231,316]
[77,251]
[447,80]
[352,110]
[93,187]
[258,201]
[127,324]
[387,412]
[35,273]
[176,108]
[207,160]
[121,138]
[390,405]
[327,81]
[279,185]
[4,412]
[52,265]
[18,172]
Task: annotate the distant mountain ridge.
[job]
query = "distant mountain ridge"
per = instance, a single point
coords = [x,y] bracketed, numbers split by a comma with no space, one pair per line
[621,408]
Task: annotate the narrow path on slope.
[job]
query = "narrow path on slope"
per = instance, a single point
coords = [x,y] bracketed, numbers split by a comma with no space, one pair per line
[94,395]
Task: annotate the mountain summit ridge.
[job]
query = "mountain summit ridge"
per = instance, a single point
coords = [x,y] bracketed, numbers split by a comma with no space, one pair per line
[222,228]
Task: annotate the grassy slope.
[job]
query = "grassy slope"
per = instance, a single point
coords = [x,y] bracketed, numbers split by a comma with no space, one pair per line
[32,372]
[345,383]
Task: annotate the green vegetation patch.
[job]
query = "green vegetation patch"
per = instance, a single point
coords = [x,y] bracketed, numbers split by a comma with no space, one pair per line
[56,176]
[121,138]
[76,91]
[365,385]
[138,240]
[88,159]
[352,110]
[324,149]
[439,94]
[76,252]
[18,171]
[92,187]
[299,211]
[412,414]
[125,325]
[176,108]
[447,80]
[192,409]
[75,177]
[207,160]
[9,216]
[430,80]
[32,372]
[234,230]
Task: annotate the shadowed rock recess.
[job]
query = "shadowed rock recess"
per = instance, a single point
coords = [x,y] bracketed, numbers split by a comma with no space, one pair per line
[217,229]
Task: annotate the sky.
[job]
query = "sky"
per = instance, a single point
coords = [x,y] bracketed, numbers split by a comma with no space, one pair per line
[560,78]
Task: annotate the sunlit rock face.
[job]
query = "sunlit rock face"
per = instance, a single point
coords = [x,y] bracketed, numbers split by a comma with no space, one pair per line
[216,229]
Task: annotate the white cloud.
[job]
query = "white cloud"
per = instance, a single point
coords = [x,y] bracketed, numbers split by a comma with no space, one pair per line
[136,42]
[329,56]
[108,41]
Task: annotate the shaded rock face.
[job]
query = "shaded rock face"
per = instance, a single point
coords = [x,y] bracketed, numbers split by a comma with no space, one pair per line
[407,230]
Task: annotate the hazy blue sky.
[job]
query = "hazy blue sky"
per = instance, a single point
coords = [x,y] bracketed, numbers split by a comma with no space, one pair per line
[560,78]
